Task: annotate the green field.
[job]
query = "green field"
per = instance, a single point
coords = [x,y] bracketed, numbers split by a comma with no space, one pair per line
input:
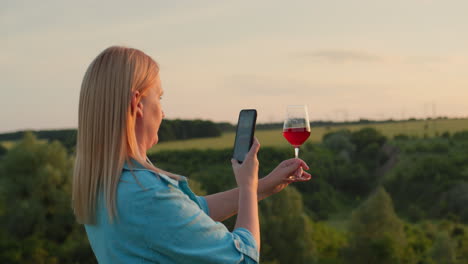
[274,138]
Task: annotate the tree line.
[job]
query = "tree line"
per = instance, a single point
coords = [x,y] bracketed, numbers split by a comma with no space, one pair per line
[178,129]
[170,130]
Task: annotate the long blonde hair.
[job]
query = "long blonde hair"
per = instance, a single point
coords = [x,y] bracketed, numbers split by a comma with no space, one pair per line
[106,127]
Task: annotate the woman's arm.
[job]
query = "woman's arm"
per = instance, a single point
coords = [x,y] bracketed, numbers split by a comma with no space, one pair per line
[226,204]
[167,222]
[248,213]
[247,179]
[223,205]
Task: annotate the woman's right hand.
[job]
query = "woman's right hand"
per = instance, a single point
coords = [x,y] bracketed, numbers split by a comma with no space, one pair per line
[247,172]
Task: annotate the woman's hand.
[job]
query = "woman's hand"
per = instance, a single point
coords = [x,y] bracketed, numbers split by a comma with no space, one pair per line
[247,172]
[288,171]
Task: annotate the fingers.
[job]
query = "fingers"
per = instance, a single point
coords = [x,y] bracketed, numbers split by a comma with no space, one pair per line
[300,163]
[235,163]
[299,172]
[304,177]
[303,164]
[255,145]
[292,165]
[251,155]
[254,149]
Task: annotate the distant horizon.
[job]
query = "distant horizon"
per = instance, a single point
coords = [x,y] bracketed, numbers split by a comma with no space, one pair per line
[267,123]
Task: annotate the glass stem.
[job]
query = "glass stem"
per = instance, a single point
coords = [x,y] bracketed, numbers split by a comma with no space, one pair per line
[296,152]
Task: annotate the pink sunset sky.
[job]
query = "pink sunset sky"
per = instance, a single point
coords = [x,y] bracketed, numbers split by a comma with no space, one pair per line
[344,59]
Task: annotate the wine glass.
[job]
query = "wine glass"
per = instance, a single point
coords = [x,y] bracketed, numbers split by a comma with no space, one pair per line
[296,129]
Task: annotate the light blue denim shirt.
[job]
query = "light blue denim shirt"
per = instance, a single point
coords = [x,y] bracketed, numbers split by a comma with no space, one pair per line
[160,220]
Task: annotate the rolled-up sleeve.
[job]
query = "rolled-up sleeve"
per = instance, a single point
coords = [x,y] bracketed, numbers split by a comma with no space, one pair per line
[177,230]
[203,204]
[245,243]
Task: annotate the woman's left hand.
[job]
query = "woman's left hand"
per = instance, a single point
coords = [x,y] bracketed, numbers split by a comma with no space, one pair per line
[288,171]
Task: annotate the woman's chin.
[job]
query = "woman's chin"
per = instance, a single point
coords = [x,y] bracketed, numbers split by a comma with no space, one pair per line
[155,141]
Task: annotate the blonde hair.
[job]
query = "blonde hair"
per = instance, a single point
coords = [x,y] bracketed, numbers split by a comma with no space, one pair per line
[106,127]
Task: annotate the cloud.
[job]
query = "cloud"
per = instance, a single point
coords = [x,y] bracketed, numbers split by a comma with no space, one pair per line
[341,56]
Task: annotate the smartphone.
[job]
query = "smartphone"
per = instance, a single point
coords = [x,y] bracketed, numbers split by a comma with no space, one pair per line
[244,133]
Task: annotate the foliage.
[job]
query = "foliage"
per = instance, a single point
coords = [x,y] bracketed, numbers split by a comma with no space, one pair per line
[377,234]
[344,169]
[461,135]
[270,134]
[184,129]
[3,150]
[169,130]
[431,179]
[328,242]
[443,251]
[286,230]
[426,178]
[35,180]
[66,136]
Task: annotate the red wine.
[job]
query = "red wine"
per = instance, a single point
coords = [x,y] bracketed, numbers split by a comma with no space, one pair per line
[296,136]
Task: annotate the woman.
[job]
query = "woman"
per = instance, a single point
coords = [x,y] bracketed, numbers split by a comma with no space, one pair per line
[134,212]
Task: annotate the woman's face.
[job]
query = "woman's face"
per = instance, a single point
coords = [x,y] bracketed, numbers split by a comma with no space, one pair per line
[152,115]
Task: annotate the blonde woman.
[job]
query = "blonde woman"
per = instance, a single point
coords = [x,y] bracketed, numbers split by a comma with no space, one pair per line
[134,212]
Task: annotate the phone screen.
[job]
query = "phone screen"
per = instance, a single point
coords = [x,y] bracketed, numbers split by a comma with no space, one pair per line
[244,133]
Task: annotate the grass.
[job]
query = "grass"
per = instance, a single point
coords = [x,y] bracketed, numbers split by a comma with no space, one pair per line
[274,137]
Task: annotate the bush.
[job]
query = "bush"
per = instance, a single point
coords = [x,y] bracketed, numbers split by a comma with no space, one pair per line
[36,181]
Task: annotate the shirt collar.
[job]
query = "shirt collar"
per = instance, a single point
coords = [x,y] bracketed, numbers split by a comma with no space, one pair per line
[135,165]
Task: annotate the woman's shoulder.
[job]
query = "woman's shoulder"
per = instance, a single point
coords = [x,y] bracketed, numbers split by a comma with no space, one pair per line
[139,189]
[140,177]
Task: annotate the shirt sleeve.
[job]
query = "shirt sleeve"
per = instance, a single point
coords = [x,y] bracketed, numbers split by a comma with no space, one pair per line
[175,228]
[203,204]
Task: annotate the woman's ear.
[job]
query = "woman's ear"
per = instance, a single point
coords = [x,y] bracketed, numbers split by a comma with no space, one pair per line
[139,109]
[136,105]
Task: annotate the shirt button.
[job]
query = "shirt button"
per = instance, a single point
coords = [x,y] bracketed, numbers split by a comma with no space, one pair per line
[237,243]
